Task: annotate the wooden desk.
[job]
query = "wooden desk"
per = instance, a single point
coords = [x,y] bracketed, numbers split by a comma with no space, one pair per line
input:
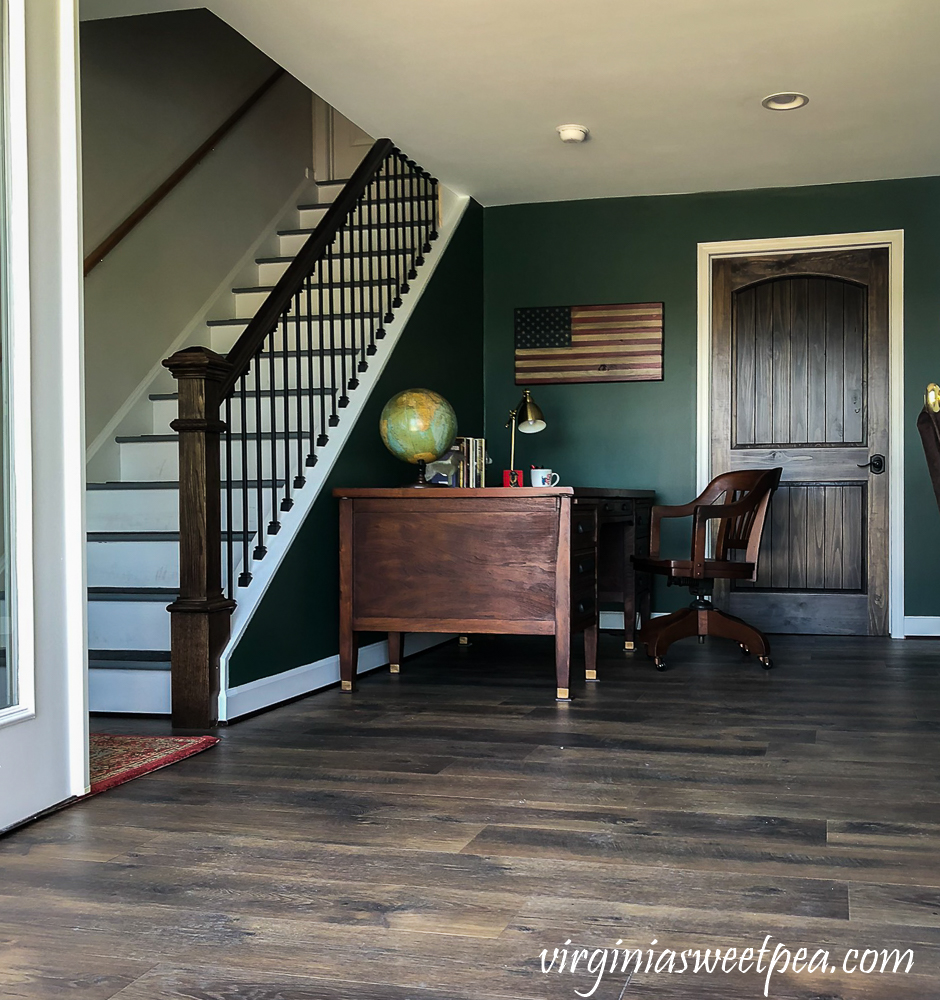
[500,560]
[623,531]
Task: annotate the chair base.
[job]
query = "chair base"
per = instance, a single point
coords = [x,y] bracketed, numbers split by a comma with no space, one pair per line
[702,618]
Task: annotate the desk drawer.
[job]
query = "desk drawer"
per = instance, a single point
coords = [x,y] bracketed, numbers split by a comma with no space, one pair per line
[583,567]
[583,529]
[583,608]
[615,508]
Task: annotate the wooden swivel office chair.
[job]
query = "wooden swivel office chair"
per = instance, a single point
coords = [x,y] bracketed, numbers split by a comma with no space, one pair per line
[740,519]
[928,423]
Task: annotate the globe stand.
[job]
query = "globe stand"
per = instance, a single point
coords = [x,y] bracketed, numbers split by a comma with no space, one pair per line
[422,482]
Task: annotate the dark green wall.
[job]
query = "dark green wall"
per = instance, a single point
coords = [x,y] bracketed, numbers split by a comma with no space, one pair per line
[441,348]
[644,249]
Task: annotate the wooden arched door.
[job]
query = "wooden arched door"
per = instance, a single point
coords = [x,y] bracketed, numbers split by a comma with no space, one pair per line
[800,380]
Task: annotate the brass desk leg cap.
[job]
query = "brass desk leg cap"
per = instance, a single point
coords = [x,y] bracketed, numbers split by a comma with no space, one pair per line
[590,675]
[394,668]
[346,685]
[628,645]
[561,694]
[465,640]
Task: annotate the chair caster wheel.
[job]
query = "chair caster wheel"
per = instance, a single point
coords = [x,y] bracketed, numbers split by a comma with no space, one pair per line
[744,649]
[766,662]
[660,663]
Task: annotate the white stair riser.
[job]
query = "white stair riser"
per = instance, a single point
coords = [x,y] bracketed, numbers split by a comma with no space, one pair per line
[158,461]
[128,625]
[133,564]
[248,303]
[223,338]
[133,510]
[340,269]
[310,218]
[403,240]
[165,411]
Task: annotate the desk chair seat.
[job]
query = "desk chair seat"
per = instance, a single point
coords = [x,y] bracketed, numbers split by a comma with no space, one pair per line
[746,497]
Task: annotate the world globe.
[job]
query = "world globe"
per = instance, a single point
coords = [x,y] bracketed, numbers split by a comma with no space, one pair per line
[418,426]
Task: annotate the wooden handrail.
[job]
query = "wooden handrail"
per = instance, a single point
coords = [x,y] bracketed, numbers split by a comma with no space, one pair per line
[149,204]
[265,319]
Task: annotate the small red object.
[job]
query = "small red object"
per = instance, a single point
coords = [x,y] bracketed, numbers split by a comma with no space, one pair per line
[512,477]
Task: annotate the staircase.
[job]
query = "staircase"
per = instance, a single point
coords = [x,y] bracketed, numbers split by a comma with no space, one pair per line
[302,373]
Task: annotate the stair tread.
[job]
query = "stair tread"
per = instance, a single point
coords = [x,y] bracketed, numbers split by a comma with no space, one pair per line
[244,321]
[144,655]
[163,666]
[147,484]
[164,396]
[383,200]
[133,594]
[147,536]
[310,230]
[163,438]
[267,289]
[371,252]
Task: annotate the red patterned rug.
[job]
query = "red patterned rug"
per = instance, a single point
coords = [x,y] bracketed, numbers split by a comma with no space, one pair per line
[116,759]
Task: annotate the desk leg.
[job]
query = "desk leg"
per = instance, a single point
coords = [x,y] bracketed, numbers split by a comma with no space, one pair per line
[562,665]
[590,653]
[395,642]
[348,658]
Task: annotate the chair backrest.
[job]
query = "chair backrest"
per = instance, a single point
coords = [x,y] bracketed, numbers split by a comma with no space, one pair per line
[928,423]
[743,532]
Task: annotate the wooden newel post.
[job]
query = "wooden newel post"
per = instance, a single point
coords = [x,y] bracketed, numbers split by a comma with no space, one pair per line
[200,617]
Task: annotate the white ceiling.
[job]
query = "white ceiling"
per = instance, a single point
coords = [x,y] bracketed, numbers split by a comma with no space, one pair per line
[670,89]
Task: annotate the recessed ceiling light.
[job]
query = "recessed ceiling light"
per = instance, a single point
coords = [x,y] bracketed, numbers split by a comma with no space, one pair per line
[785,102]
[572,133]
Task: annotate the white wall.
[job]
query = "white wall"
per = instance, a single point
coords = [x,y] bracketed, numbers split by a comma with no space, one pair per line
[43,759]
[154,87]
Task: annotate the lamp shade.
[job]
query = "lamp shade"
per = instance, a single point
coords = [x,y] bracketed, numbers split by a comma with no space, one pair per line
[529,418]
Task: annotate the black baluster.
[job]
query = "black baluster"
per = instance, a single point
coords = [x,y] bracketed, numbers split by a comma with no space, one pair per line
[413,202]
[229,536]
[427,210]
[401,230]
[274,525]
[388,282]
[434,206]
[392,232]
[343,399]
[354,264]
[286,501]
[299,479]
[260,548]
[360,286]
[321,353]
[372,227]
[334,417]
[311,459]
[244,578]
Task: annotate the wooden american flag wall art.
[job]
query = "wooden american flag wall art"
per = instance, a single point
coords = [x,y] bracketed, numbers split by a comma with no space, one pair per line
[615,343]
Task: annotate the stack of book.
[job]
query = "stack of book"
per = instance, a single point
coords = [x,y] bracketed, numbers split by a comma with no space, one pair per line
[471,471]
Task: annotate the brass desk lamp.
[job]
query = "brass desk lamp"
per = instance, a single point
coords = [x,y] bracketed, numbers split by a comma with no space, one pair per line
[528,418]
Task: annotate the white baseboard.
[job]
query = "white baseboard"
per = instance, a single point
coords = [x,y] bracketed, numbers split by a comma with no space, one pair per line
[139,692]
[918,626]
[267,691]
[614,619]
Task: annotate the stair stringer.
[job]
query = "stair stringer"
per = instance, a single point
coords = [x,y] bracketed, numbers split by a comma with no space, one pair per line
[237,701]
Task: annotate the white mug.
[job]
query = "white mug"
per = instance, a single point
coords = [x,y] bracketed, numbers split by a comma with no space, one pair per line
[544,477]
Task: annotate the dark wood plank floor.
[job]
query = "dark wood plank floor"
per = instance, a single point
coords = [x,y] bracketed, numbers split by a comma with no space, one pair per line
[427,837]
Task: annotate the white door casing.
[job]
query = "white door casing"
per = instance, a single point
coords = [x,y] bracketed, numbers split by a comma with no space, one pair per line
[893,240]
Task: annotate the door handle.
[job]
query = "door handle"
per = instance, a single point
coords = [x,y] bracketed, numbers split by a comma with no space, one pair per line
[876,464]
